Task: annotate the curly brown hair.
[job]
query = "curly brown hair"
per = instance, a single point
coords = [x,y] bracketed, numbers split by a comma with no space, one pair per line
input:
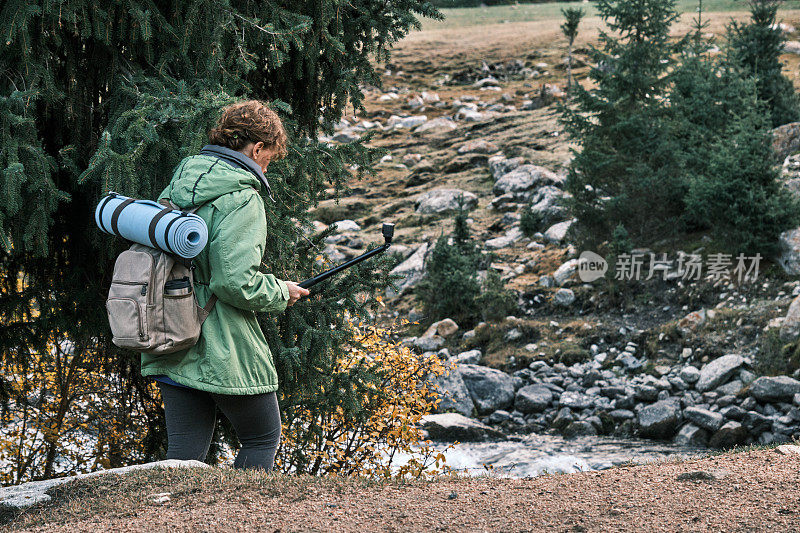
[249,121]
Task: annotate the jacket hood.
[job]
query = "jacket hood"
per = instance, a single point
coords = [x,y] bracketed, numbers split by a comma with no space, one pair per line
[204,178]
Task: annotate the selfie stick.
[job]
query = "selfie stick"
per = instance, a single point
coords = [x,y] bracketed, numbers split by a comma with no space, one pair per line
[388,233]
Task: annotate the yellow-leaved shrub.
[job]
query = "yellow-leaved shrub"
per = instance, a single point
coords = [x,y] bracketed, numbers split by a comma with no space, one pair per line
[371,438]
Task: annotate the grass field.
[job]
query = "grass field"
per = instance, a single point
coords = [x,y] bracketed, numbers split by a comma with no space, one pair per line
[469,36]
[460,17]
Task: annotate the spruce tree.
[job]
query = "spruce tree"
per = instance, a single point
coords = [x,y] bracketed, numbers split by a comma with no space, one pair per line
[723,128]
[755,47]
[569,28]
[99,96]
[451,287]
[626,172]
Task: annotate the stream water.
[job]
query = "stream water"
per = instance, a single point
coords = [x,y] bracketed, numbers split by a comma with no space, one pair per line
[534,454]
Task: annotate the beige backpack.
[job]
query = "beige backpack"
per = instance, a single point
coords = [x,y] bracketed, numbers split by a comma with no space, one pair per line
[152,306]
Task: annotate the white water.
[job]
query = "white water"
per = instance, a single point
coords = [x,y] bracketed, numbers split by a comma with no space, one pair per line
[534,455]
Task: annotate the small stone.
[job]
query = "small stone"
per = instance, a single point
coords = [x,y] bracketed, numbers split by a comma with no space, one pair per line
[704,418]
[702,475]
[479,146]
[564,297]
[693,320]
[659,420]
[691,435]
[690,375]
[470,357]
[788,449]
[533,399]
[447,327]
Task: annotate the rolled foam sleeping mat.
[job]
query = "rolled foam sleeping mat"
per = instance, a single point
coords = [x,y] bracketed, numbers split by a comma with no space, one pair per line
[151,224]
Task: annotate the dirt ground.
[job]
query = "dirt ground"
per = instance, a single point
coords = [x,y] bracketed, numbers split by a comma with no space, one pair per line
[748,491]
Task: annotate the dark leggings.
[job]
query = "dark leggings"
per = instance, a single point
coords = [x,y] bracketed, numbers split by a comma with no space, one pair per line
[191,415]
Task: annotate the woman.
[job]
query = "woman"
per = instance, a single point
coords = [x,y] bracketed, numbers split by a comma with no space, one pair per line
[231,366]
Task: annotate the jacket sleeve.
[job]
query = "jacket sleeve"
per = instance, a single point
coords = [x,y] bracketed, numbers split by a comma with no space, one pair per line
[236,247]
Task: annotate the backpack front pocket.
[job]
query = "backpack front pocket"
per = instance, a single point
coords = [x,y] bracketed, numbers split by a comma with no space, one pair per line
[126,321]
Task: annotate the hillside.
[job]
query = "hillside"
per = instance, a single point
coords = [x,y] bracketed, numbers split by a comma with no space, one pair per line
[468,107]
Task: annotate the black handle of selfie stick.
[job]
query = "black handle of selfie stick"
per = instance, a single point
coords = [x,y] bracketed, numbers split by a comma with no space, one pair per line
[388,233]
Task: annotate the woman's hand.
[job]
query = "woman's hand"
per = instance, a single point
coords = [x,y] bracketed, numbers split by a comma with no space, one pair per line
[295,292]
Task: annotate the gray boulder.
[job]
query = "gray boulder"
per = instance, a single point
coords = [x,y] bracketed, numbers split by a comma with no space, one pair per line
[546,202]
[499,165]
[690,375]
[564,297]
[522,180]
[704,418]
[470,357]
[790,327]
[718,371]
[557,232]
[659,420]
[453,393]
[755,422]
[413,270]
[346,225]
[772,389]
[449,427]
[429,344]
[563,418]
[489,388]
[646,393]
[436,125]
[443,200]
[412,121]
[532,399]
[566,271]
[620,415]
[789,257]
[512,235]
[786,138]
[728,436]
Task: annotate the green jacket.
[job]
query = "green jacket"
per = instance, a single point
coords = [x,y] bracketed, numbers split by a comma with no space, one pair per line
[232,355]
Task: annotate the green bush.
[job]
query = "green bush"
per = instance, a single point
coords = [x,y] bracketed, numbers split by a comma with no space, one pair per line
[531,221]
[451,286]
[776,357]
[495,301]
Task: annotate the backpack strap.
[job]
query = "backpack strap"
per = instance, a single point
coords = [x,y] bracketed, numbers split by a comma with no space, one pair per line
[115,215]
[170,206]
[210,303]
